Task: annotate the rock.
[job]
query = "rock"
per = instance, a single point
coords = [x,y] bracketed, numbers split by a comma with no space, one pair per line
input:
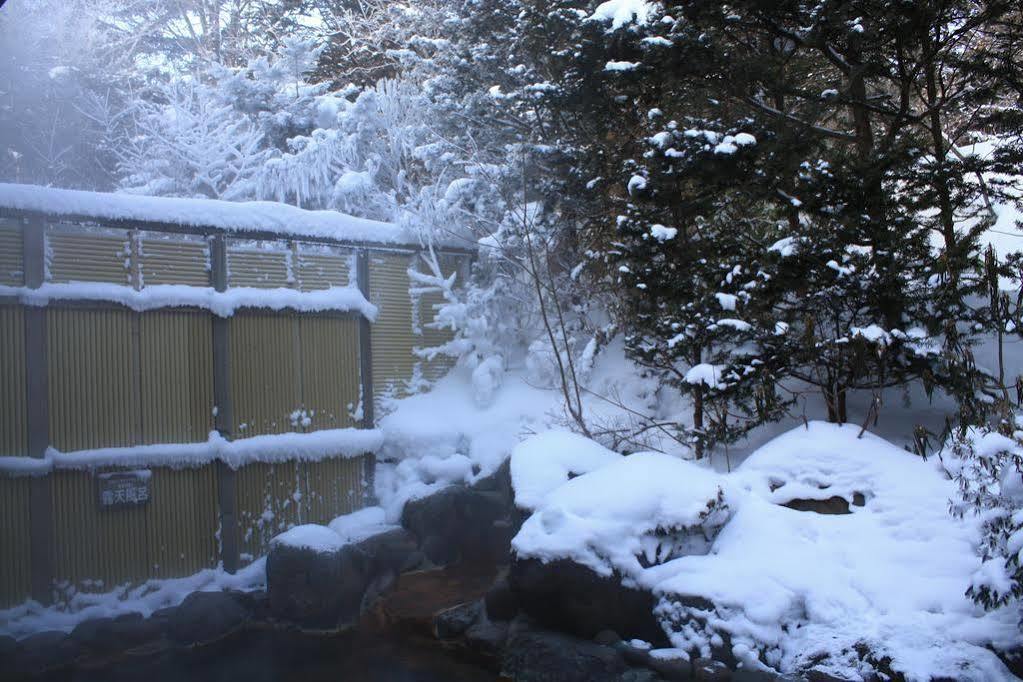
[394,551]
[607,638]
[500,601]
[639,675]
[499,482]
[317,589]
[458,524]
[325,589]
[672,668]
[204,617]
[452,622]
[747,675]
[8,647]
[543,656]
[46,651]
[1013,660]
[832,505]
[567,596]
[487,637]
[109,635]
[707,670]
[633,655]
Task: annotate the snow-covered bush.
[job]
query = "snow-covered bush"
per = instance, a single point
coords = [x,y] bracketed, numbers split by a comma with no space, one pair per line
[988,470]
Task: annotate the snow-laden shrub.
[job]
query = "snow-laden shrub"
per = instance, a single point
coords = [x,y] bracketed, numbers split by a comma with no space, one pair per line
[986,467]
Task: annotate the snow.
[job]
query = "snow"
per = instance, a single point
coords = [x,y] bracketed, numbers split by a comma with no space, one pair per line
[31,617]
[662,233]
[636,183]
[620,66]
[623,12]
[792,589]
[543,462]
[234,217]
[360,524]
[643,505]
[424,431]
[727,301]
[220,303]
[706,374]
[320,539]
[282,447]
[872,334]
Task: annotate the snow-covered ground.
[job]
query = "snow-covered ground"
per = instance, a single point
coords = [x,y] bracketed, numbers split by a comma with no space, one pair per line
[793,588]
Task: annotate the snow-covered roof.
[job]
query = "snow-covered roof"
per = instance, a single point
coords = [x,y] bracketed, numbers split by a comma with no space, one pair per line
[228,216]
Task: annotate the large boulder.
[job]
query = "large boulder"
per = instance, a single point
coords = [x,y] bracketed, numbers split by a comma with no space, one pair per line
[43,651]
[459,524]
[326,586]
[567,596]
[205,617]
[543,656]
[108,635]
[317,588]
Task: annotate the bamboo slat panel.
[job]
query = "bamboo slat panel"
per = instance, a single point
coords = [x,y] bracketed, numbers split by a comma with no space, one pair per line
[265,377]
[257,513]
[93,373]
[176,354]
[320,267]
[96,550]
[15,553]
[13,409]
[392,337]
[289,491]
[330,370]
[167,259]
[182,521]
[12,268]
[333,487]
[88,255]
[263,265]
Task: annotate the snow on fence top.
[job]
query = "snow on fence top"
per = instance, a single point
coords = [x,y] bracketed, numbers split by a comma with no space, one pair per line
[228,216]
[271,448]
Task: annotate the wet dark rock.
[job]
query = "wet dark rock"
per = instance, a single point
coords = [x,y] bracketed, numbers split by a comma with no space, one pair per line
[832,505]
[672,668]
[46,651]
[205,617]
[747,675]
[501,602]
[109,635]
[8,647]
[633,655]
[1013,660]
[317,589]
[460,524]
[453,622]
[499,482]
[487,637]
[320,589]
[395,551]
[607,638]
[567,596]
[543,656]
[707,670]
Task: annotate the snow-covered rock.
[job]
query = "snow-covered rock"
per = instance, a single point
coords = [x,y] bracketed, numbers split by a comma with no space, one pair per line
[544,462]
[776,587]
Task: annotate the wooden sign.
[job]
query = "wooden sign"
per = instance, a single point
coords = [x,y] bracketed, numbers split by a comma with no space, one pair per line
[118,489]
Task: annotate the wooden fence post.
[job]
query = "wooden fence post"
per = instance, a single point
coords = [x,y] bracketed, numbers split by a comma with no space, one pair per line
[38,402]
[366,376]
[227,478]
